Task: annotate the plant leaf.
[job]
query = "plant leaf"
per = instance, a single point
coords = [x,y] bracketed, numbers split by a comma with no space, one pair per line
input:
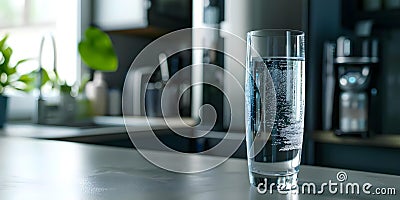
[3,41]
[28,88]
[45,77]
[27,78]
[97,51]
[65,88]
[7,52]
[10,70]
[21,61]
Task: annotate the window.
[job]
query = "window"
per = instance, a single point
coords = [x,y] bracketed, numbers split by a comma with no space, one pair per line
[27,21]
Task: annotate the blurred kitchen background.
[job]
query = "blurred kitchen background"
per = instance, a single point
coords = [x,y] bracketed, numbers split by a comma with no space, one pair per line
[352,72]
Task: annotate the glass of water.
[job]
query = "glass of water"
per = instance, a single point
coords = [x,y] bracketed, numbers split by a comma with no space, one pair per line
[275,98]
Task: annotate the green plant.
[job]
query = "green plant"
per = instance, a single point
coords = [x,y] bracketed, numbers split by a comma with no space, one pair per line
[52,79]
[9,76]
[97,51]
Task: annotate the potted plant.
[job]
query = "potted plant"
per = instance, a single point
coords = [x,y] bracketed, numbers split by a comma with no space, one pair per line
[97,52]
[10,78]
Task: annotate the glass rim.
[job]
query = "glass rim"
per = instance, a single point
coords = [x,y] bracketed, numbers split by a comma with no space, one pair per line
[275,33]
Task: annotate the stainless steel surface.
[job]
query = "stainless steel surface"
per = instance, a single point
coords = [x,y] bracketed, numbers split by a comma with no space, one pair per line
[356,60]
[350,46]
[104,125]
[328,85]
[133,96]
[164,67]
[45,113]
[58,132]
[38,169]
[146,122]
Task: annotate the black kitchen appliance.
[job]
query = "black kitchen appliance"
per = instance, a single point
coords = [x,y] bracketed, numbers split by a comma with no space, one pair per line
[349,86]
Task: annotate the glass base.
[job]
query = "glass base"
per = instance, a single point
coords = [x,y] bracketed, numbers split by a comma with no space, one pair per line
[274,182]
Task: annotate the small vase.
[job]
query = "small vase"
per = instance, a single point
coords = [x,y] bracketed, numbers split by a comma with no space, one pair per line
[96,92]
[67,107]
[3,110]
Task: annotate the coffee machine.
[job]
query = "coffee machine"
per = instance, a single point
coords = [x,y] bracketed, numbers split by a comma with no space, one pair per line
[348,85]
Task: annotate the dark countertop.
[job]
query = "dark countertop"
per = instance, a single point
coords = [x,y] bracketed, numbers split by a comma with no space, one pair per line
[108,130]
[44,169]
[378,140]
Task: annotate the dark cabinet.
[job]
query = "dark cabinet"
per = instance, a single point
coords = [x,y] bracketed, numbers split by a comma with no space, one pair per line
[383,14]
[151,18]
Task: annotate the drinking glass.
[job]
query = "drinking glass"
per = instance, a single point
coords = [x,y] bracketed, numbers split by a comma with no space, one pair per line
[275,98]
